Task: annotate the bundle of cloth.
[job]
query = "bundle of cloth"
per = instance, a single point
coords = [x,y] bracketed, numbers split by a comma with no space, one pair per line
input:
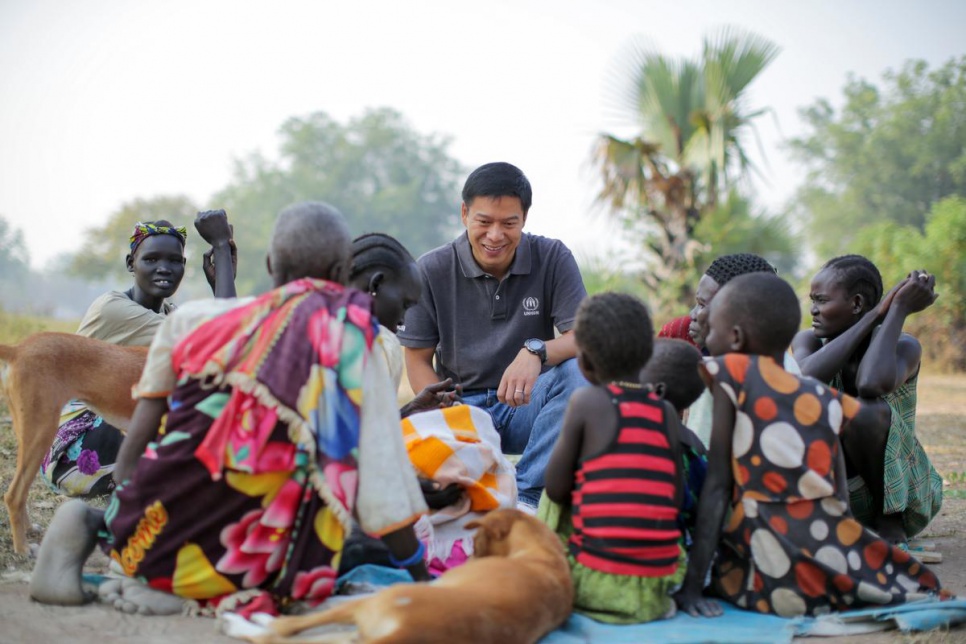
[458,445]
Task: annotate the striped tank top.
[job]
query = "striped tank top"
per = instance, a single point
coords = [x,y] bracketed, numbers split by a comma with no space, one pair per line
[624,509]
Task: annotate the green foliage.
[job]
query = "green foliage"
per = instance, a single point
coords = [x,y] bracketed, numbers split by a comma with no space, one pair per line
[694,120]
[376,169]
[941,250]
[888,155]
[103,249]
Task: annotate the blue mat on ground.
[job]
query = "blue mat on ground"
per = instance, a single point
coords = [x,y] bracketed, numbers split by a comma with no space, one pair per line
[736,625]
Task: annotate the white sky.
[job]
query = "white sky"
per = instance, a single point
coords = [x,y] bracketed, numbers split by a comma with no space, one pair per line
[102,101]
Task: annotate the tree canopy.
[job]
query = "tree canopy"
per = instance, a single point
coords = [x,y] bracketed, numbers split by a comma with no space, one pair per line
[694,121]
[887,155]
[383,175]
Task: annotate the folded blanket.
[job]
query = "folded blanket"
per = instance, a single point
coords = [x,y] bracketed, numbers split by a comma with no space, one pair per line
[460,445]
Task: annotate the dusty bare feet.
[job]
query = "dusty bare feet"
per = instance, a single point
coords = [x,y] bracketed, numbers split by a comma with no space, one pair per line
[131,596]
[70,539]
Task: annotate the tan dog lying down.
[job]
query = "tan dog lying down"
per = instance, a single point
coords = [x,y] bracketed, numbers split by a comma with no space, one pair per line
[515,588]
[39,376]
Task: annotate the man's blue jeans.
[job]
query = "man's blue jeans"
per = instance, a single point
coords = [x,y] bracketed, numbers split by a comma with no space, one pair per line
[532,430]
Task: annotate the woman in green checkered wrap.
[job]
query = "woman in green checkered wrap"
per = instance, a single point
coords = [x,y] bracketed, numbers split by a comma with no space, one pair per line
[856,344]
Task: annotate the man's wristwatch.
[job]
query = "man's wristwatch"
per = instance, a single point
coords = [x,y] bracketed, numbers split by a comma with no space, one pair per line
[537,347]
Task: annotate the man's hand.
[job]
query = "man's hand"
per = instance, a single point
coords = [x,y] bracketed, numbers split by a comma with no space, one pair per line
[435,396]
[697,604]
[518,379]
[213,227]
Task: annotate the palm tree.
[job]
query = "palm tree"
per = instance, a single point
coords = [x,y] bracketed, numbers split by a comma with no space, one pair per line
[693,119]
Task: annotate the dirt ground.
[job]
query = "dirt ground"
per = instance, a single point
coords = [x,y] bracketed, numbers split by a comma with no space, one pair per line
[941,428]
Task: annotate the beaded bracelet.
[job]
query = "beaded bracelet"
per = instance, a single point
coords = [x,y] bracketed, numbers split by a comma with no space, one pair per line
[412,560]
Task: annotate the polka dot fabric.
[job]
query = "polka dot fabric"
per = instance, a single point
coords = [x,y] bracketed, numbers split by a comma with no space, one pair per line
[791,546]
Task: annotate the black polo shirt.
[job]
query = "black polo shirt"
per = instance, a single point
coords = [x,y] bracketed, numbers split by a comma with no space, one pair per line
[478,324]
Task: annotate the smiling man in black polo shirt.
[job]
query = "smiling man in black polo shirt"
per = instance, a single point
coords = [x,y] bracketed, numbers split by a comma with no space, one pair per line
[489,305]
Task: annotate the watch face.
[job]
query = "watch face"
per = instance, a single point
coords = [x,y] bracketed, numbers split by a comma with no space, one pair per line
[534,345]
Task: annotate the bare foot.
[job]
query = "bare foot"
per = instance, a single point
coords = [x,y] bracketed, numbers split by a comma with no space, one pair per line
[70,539]
[131,596]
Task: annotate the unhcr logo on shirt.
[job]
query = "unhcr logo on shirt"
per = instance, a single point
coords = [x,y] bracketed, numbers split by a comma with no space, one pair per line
[531,306]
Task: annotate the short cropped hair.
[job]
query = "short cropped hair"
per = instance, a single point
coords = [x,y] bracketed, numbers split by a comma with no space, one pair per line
[675,363]
[765,306]
[614,332]
[499,179]
[309,239]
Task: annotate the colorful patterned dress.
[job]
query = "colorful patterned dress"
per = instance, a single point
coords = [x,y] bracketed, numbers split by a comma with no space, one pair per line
[280,428]
[791,546]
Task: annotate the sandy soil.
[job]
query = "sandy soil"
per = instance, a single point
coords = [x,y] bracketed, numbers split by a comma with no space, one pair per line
[941,427]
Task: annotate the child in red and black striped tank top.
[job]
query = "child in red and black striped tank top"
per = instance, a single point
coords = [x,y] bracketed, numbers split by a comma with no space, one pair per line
[613,483]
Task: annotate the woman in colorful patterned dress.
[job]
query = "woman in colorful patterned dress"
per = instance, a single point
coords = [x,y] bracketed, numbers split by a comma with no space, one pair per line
[790,546]
[280,427]
[614,480]
[856,344]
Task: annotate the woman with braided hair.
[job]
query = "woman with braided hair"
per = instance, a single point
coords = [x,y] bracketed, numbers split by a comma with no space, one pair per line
[856,344]
[721,271]
[81,460]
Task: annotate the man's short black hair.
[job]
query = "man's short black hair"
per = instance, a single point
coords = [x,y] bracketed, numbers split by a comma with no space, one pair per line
[765,306]
[614,332]
[675,363]
[499,179]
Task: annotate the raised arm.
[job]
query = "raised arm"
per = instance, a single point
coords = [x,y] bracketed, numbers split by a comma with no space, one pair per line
[823,362]
[893,357]
[712,505]
[220,263]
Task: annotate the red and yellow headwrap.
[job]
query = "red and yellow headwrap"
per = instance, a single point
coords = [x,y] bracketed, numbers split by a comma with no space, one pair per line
[144,230]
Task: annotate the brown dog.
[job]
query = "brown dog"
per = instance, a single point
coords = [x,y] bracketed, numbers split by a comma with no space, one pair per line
[515,588]
[39,376]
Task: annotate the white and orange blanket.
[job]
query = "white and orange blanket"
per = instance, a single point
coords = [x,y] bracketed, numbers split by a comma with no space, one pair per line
[458,445]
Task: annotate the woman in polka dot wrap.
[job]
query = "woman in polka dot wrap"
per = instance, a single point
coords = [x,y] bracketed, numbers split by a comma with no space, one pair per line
[790,546]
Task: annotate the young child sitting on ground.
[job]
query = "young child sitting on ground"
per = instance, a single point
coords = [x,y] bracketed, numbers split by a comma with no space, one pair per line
[673,368]
[791,545]
[613,482]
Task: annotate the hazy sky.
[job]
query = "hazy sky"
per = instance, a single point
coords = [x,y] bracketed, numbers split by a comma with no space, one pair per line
[102,101]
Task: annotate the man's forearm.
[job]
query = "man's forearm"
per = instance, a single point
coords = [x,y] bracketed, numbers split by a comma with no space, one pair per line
[561,348]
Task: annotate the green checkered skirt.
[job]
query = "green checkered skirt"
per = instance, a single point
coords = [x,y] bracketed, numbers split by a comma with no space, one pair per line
[913,487]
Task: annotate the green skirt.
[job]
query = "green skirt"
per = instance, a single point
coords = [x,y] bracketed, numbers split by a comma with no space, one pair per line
[605,597]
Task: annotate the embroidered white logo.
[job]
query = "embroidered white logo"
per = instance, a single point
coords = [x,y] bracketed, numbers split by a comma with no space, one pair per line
[531,306]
